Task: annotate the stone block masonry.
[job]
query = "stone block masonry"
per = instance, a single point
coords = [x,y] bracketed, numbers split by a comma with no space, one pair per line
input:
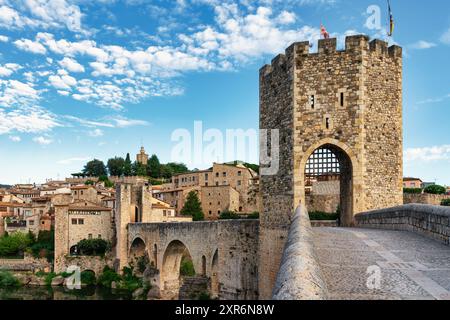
[300,276]
[429,221]
[348,101]
[225,251]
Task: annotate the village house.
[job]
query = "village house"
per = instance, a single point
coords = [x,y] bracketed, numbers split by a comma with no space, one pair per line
[412,183]
[224,187]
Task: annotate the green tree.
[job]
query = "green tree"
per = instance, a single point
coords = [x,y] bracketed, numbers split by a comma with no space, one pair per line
[228,215]
[166,171]
[14,244]
[93,247]
[154,167]
[252,166]
[139,169]
[127,167]
[177,168]
[108,183]
[95,168]
[435,189]
[116,166]
[193,207]
[187,267]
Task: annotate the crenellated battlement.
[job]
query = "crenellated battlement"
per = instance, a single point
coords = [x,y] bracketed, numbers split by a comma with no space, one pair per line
[353,45]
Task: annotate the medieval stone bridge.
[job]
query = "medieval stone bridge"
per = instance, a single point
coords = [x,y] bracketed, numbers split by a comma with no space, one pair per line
[223,252]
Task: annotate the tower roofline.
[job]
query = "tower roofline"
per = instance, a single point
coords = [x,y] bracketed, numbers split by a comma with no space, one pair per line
[353,44]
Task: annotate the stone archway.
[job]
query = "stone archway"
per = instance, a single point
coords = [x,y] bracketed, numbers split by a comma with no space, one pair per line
[171,280]
[333,152]
[138,257]
[215,275]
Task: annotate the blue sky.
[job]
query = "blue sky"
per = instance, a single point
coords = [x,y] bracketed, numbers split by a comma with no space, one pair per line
[82,79]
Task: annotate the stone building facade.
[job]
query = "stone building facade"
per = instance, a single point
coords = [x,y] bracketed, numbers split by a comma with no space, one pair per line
[224,187]
[349,102]
[76,221]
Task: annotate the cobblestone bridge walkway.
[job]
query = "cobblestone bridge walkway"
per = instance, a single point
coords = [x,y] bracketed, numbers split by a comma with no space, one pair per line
[412,266]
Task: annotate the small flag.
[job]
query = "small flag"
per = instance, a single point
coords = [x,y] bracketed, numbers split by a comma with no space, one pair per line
[391,20]
[324,32]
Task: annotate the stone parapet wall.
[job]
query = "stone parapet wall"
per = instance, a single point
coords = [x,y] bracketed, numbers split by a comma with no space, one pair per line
[424,198]
[430,221]
[28,263]
[300,276]
[93,263]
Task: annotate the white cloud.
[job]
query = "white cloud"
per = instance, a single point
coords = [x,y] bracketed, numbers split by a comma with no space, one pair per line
[239,37]
[286,17]
[96,133]
[56,12]
[71,65]
[8,69]
[427,154]
[45,14]
[27,120]
[4,38]
[12,19]
[73,160]
[122,122]
[30,46]
[42,140]
[420,45]
[17,93]
[108,122]
[63,81]
[15,138]
[445,38]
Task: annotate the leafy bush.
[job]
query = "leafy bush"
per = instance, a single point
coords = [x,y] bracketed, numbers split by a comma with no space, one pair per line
[14,244]
[323,216]
[129,281]
[228,215]
[88,278]
[142,263]
[7,279]
[107,277]
[412,190]
[187,267]
[204,296]
[445,203]
[49,277]
[93,247]
[44,246]
[106,181]
[435,189]
[254,215]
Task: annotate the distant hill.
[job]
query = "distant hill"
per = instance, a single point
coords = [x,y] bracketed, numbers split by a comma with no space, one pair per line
[5,186]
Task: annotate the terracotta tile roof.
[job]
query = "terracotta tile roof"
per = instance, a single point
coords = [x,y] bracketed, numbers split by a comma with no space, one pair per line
[89,208]
[80,187]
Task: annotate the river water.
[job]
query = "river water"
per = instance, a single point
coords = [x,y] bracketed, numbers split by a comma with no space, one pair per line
[61,293]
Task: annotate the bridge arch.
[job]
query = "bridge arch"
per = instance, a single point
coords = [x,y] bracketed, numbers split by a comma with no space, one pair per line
[215,275]
[138,253]
[175,252]
[338,159]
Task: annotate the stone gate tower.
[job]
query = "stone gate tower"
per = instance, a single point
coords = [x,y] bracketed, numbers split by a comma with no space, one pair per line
[347,101]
